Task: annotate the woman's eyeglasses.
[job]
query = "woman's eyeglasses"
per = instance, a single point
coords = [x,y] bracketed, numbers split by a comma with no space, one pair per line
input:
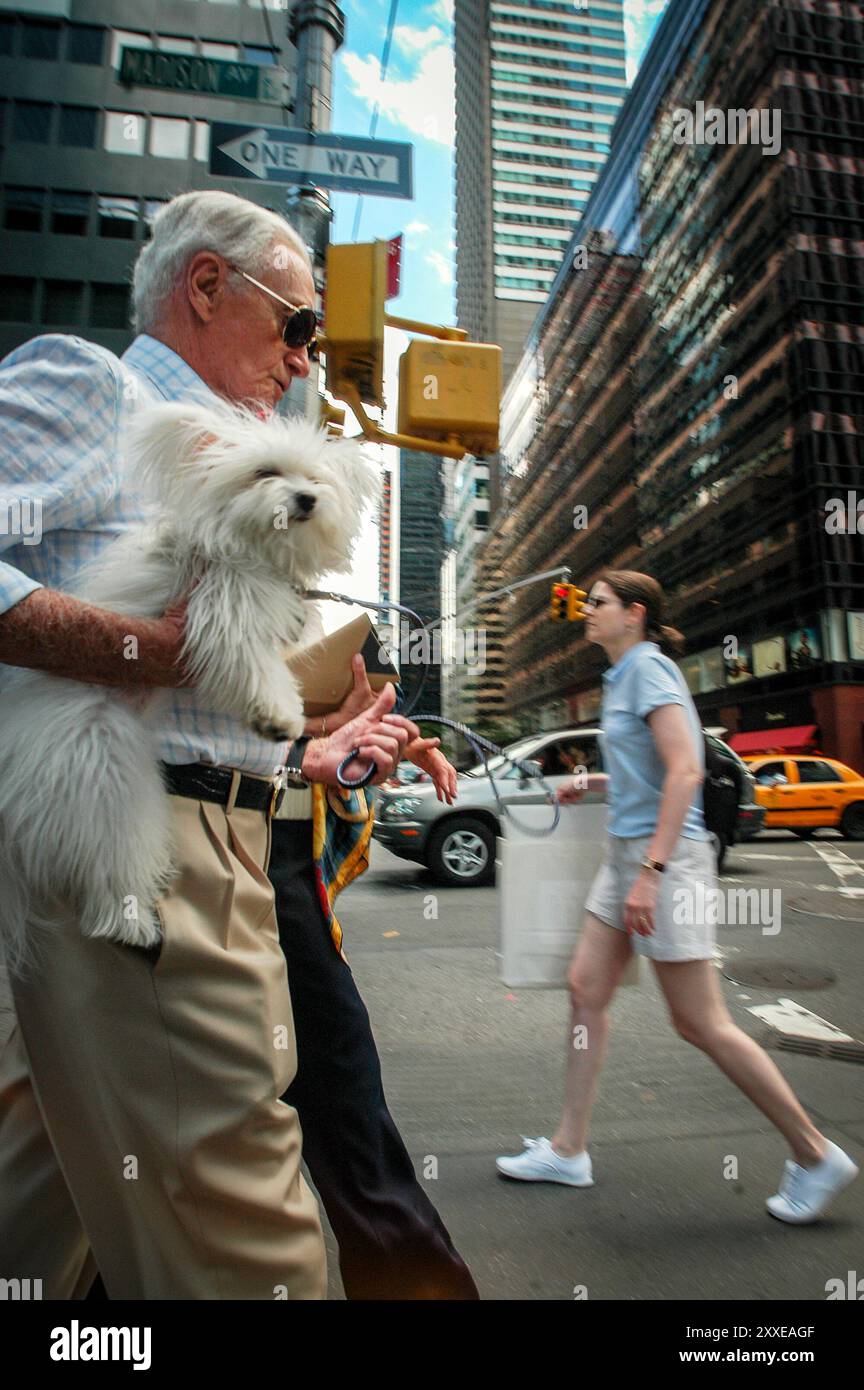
[300,329]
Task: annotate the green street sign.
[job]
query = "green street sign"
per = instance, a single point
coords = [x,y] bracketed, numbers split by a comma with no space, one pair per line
[187,72]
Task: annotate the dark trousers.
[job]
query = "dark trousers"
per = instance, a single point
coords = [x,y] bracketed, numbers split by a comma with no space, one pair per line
[392,1242]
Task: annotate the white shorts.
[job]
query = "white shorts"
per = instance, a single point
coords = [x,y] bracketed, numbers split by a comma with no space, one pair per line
[680,929]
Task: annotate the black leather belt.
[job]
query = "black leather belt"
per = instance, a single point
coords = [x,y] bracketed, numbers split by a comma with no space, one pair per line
[204,783]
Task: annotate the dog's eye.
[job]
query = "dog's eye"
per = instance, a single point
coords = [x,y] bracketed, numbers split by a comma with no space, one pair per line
[268,473]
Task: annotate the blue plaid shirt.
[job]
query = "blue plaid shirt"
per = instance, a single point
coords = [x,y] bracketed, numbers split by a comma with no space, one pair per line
[63,403]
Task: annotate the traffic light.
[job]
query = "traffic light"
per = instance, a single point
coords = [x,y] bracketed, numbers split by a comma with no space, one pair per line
[575,603]
[354,320]
[558,606]
[567,602]
[451,391]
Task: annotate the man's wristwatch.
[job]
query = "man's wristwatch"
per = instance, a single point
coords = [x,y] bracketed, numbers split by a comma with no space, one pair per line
[294,761]
[653,864]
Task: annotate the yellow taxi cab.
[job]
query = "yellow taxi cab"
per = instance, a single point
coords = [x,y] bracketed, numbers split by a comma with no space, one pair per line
[803,791]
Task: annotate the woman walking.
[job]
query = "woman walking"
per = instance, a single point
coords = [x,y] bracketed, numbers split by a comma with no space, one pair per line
[650,894]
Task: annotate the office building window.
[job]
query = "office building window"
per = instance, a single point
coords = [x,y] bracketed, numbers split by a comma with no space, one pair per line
[61,302]
[173,43]
[202,140]
[39,40]
[16,299]
[85,43]
[109,306]
[126,38]
[118,217]
[124,132]
[32,122]
[70,212]
[169,137]
[23,212]
[262,56]
[229,52]
[7,34]
[151,207]
[78,127]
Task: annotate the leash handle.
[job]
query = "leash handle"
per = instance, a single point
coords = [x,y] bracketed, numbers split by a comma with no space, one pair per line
[362,781]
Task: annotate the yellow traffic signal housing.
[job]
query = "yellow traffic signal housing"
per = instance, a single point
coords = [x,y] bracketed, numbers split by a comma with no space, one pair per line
[451,391]
[354,320]
[575,603]
[332,418]
[558,601]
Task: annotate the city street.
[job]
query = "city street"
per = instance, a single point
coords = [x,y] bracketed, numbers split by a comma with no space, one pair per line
[471,1065]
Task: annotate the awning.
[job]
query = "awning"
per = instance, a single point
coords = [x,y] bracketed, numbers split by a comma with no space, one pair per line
[801,739]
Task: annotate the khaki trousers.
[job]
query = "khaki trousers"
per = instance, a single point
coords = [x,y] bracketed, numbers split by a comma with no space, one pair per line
[139,1101]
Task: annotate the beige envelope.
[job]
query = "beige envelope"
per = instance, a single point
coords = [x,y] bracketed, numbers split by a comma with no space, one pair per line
[323,669]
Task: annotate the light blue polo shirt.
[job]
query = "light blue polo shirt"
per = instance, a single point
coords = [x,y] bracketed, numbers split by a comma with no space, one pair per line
[641,681]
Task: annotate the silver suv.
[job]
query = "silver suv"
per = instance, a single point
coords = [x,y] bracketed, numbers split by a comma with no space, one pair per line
[457,843]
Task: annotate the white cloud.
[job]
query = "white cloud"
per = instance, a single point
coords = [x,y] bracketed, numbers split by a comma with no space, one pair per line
[639,16]
[442,9]
[422,103]
[416,228]
[442,265]
[412,40]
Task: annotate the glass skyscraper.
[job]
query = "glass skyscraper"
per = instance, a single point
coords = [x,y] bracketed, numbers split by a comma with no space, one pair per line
[538,86]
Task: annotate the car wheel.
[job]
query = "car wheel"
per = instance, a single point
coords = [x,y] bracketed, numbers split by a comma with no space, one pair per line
[721,844]
[852,824]
[462,852]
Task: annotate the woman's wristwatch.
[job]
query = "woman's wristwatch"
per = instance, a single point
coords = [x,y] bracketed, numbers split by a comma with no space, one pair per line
[294,762]
[656,864]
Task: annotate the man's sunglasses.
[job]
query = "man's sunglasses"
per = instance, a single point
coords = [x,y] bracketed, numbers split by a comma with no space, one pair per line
[301,328]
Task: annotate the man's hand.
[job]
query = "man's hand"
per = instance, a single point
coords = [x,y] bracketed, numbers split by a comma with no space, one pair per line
[425,753]
[361,698]
[380,737]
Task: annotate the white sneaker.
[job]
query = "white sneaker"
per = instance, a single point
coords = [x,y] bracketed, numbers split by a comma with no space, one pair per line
[540,1163]
[805,1192]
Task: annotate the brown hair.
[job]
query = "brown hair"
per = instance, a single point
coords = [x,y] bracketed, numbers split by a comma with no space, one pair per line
[633,587]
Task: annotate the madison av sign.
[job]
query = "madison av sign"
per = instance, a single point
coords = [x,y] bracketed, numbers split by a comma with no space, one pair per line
[187,72]
[277,154]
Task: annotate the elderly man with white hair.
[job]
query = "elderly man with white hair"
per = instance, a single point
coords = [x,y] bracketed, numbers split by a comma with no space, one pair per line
[141,1116]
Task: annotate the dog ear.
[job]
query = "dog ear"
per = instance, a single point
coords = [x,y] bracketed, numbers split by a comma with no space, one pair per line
[163,442]
[363,478]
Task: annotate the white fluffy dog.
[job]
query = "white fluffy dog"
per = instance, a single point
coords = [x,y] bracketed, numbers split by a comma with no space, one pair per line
[246,513]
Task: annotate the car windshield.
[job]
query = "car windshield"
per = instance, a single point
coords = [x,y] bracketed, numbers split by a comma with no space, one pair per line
[523,749]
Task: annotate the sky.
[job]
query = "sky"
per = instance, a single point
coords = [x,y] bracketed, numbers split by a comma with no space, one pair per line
[416,106]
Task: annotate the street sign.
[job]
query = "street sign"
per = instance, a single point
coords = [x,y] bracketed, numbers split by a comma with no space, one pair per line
[187,72]
[278,154]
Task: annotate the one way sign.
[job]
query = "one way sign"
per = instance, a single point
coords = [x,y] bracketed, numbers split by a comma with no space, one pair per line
[278,154]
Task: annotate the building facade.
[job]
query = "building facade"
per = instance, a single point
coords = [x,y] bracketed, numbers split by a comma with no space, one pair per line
[87,159]
[421,555]
[697,385]
[538,87]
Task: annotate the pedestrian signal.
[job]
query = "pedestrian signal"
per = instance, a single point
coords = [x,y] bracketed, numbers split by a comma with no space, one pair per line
[450,391]
[354,320]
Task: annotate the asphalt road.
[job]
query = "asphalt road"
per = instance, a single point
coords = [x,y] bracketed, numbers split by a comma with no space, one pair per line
[470,1065]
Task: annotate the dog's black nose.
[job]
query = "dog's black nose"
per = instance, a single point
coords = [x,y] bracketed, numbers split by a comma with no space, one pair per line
[305,502]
